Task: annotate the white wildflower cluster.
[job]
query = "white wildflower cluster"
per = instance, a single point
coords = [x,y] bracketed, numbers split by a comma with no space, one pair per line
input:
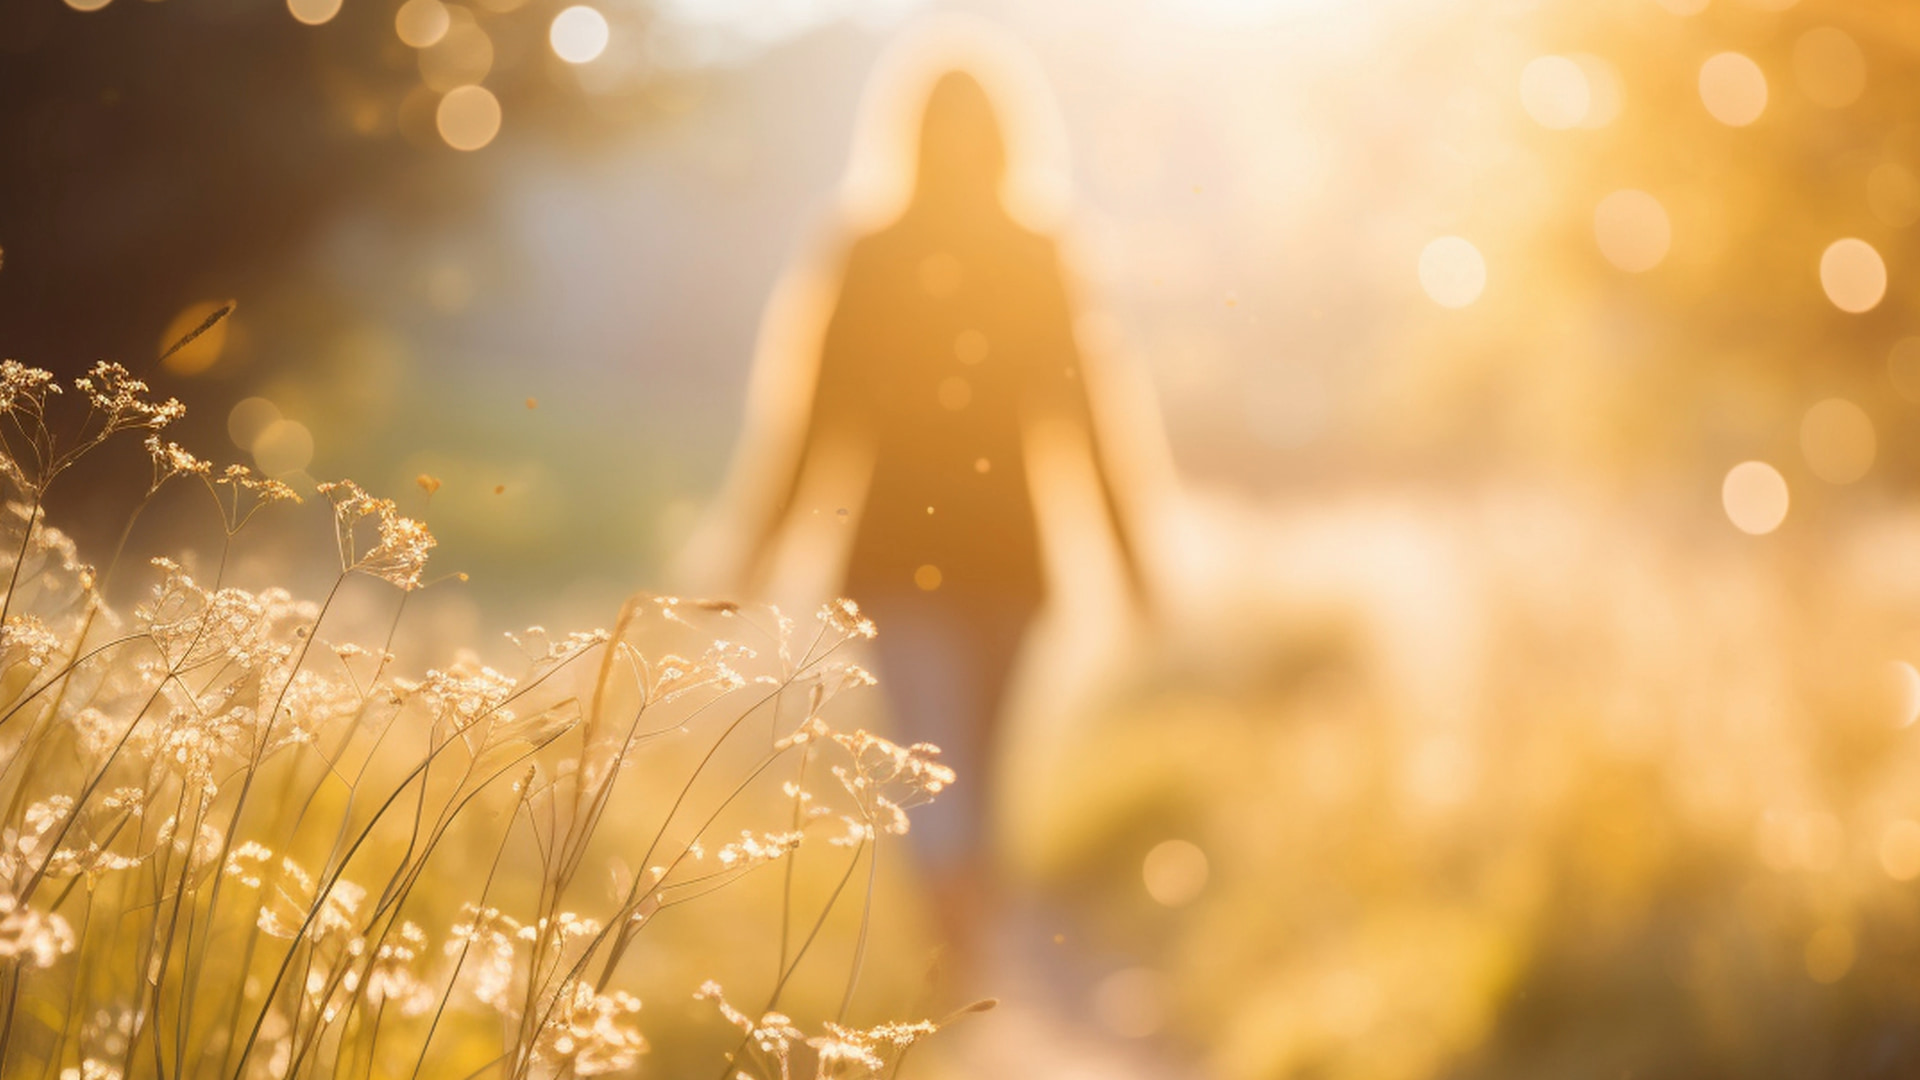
[753,849]
[30,936]
[884,778]
[399,545]
[487,941]
[542,647]
[192,626]
[26,639]
[170,459]
[166,771]
[295,907]
[839,1052]
[464,694]
[393,979]
[120,401]
[588,1033]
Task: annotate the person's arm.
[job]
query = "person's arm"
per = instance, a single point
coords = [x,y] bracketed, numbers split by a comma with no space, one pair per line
[828,415]
[1071,402]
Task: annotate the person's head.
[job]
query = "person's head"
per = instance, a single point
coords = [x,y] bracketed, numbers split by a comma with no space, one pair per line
[963,158]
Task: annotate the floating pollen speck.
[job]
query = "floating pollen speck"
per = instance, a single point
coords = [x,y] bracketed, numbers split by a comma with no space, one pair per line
[428,484]
[499,489]
[533,403]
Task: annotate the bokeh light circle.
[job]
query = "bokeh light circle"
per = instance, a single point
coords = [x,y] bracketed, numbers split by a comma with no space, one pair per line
[422,23]
[1829,67]
[1755,497]
[1900,849]
[462,57]
[1837,438]
[578,35]
[1174,872]
[468,117]
[1452,272]
[1853,275]
[284,446]
[1733,88]
[1632,230]
[248,419]
[314,12]
[88,5]
[1555,92]
[1893,194]
[1903,368]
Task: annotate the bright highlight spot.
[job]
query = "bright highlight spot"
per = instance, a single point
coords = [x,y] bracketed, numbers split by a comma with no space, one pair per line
[88,5]
[421,23]
[314,12]
[1603,90]
[1907,685]
[285,446]
[1853,275]
[1632,230]
[1829,67]
[1900,850]
[1733,88]
[1452,272]
[248,419]
[468,117]
[1555,92]
[1755,496]
[1836,436]
[1174,872]
[578,34]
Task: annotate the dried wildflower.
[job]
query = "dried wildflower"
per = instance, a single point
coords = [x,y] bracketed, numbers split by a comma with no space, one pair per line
[392,980]
[843,615]
[245,863]
[121,399]
[34,938]
[772,1034]
[487,938]
[587,1034]
[752,850]
[91,1069]
[464,694]
[26,639]
[542,647]
[401,544]
[247,492]
[845,1051]
[170,459]
[25,388]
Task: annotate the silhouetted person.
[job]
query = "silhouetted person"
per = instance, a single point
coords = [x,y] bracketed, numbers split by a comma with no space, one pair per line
[951,337]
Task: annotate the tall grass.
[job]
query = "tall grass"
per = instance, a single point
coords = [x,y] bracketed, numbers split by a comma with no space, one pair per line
[235,843]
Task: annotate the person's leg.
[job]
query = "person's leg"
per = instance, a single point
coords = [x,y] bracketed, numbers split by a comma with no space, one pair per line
[946,672]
